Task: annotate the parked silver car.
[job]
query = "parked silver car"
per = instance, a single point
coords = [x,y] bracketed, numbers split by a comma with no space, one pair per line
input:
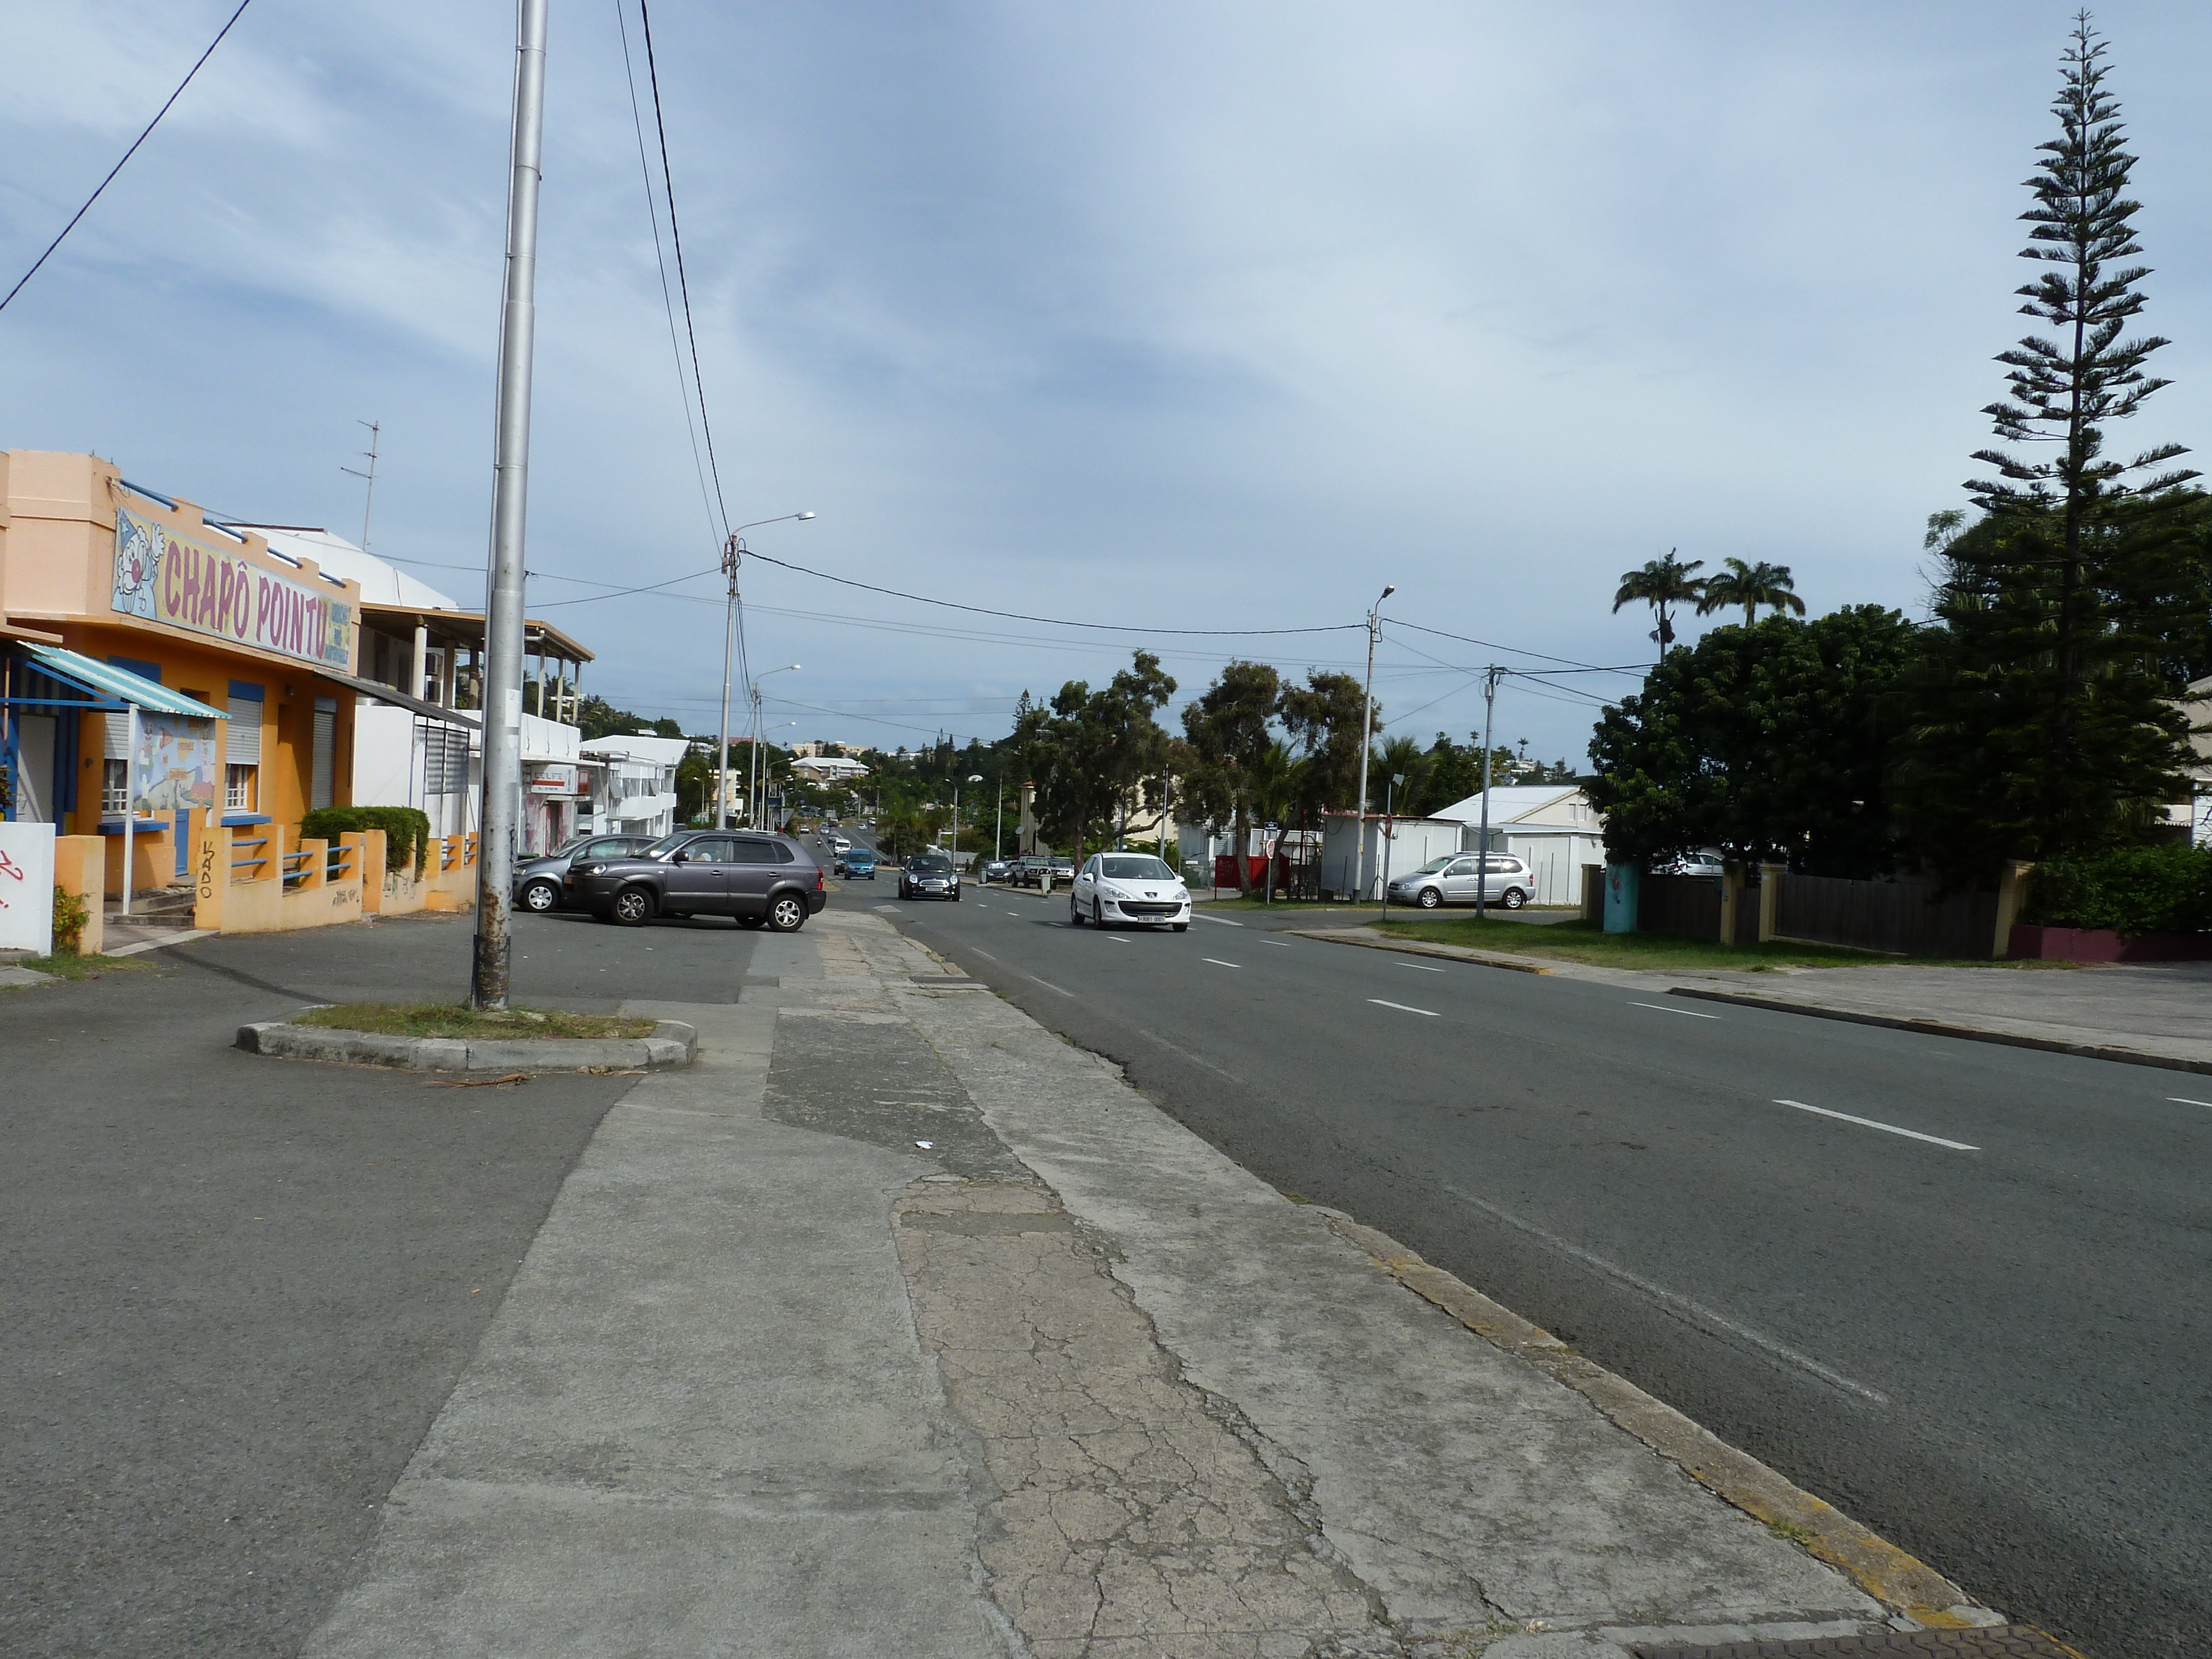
[541,884]
[1453,879]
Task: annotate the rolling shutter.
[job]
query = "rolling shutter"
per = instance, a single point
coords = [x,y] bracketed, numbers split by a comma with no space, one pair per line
[244,706]
[322,774]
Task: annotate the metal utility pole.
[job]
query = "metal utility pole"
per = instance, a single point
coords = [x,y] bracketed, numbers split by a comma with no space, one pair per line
[368,500]
[1389,825]
[503,701]
[730,553]
[1490,677]
[1366,735]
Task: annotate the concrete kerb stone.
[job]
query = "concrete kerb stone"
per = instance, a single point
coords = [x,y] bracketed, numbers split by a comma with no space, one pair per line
[672,1045]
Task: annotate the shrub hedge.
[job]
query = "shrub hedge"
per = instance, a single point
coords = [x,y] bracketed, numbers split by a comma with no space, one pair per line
[407,830]
[2138,890]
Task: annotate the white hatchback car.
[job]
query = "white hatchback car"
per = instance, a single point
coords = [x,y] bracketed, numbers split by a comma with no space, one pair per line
[1129,887]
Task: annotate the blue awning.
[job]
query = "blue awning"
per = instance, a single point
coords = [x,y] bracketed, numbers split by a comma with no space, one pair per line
[112,687]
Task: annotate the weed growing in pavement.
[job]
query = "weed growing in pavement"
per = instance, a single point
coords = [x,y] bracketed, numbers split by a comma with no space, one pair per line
[447,1019]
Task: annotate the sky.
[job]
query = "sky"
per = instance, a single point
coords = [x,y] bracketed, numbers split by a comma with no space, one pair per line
[1201,316]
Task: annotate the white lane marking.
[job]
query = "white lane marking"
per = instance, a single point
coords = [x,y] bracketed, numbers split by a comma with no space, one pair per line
[1661,1007]
[887,907]
[1696,1311]
[1049,985]
[986,955]
[2183,1100]
[1277,943]
[1431,1012]
[1116,938]
[1223,921]
[1889,1128]
[1175,1048]
[1219,962]
[1420,967]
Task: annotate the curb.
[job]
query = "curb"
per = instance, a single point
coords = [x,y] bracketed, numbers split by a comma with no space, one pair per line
[672,1045]
[1891,1575]
[1937,1028]
[1417,948]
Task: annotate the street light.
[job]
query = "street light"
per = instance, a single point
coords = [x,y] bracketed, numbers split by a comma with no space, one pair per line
[732,552]
[1366,735]
[973,777]
[752,759]
[759,756]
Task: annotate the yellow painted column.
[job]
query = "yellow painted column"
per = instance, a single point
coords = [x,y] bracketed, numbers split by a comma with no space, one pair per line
[80,871]
[1770,898]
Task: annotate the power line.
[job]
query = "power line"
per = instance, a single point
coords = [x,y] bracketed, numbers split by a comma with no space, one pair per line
[1050,622]
[1518,651]
[128,153]
[661,259]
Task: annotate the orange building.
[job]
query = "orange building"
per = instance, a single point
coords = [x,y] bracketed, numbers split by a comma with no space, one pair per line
[153,658]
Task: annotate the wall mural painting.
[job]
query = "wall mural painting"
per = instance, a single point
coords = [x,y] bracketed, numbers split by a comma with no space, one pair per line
[176,765]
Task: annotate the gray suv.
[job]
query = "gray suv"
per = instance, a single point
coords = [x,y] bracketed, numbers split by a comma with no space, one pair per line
[759,880]
[1453,879]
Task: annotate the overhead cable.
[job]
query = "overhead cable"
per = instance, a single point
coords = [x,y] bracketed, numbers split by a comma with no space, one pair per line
[127,153]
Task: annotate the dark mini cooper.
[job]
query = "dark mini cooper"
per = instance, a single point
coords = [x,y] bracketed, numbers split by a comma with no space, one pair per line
[929,875]
[760,880]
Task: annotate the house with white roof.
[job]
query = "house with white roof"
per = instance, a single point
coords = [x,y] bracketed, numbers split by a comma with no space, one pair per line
[1551,827]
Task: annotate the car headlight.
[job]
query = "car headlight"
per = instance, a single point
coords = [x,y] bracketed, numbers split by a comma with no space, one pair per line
[598,869]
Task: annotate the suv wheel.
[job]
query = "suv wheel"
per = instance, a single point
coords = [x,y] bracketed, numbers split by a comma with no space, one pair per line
[633,908]
[541,897]
[787,913]
[1513,899]
[1431,897]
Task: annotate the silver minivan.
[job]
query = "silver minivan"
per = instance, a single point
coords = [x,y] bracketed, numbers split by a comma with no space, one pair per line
[1452,880]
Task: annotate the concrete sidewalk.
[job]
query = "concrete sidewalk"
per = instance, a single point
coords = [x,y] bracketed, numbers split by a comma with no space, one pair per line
[2158,1011]
[897,1325]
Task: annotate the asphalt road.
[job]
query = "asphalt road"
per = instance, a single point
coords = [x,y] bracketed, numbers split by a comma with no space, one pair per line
[1977,1319]
[239,1290]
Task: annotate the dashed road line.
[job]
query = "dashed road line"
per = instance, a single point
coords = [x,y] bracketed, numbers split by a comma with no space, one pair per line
[1401,1007]
[2183,1100]
[1223,921]
[1049,985]
[1887,1128]
[1420,967]
[1219,962]
[1661,1008]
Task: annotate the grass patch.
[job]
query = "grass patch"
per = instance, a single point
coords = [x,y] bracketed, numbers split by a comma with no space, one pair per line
[1580,941]
[447,1019]
[1306,906]
[67,964]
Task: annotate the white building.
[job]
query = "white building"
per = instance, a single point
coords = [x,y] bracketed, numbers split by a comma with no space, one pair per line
[1552,827]
[827,768]
[418,740]
[634,783]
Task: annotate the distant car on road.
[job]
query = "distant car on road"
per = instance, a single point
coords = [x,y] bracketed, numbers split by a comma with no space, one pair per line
[757,880]
[929,875]
[1029,870]
[993,869]
[1454,878]
[858,863]
[1129,887]
[540,884]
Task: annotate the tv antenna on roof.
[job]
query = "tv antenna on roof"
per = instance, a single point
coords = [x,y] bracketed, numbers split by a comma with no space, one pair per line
[369,501]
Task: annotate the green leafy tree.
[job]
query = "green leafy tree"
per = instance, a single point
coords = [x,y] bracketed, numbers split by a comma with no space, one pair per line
[1754,587]
[1323,718]
[1089,752]
[598,718]
[1665,585]
[1227,727]
[1770,742]
[2072,608]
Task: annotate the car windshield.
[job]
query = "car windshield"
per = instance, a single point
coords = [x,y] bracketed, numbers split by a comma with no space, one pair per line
[1134,868]
[930,864]
[566,846]
[1436,866]
[665,846]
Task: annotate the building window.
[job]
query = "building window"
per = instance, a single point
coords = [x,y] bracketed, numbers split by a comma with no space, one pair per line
[114,788]
[240,788]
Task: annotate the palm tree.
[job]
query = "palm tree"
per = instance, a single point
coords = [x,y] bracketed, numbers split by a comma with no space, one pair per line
[1751,585]
[1662,584]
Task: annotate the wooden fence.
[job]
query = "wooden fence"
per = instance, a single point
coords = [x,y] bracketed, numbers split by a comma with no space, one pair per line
[1907,916]
[1683,907]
